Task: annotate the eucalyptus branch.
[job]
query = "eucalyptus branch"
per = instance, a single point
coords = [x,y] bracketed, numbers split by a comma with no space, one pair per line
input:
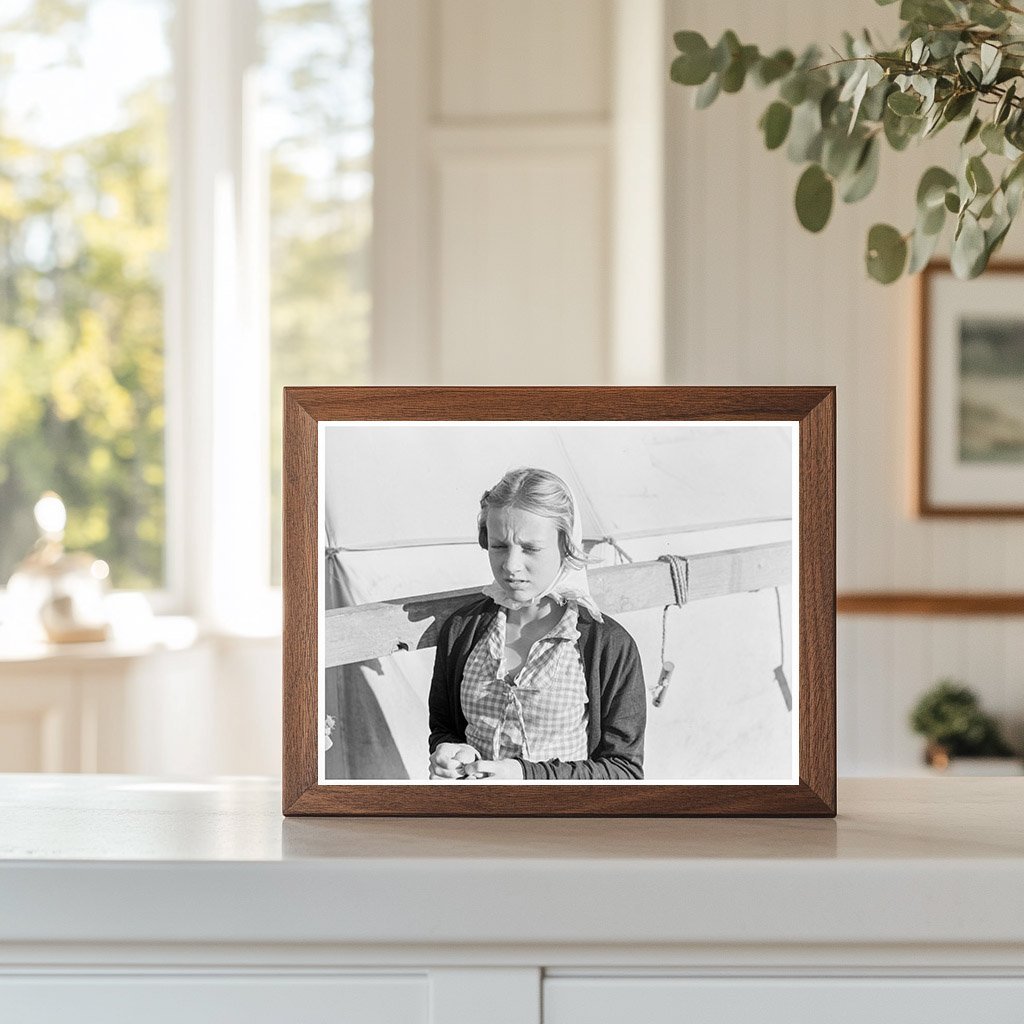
[833,117]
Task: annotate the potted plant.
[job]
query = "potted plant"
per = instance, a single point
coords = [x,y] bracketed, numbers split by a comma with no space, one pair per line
[956,61]
[950,717]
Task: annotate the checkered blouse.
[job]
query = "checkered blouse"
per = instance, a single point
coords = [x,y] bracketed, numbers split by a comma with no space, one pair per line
[541,714]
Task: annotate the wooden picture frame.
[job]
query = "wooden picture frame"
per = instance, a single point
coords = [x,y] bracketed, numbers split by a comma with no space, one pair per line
[808,416]
[969,449]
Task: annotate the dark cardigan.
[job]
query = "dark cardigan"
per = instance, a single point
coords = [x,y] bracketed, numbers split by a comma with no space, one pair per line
[615,691]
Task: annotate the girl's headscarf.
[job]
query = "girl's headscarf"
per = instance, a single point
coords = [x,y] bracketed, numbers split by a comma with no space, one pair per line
[569,584]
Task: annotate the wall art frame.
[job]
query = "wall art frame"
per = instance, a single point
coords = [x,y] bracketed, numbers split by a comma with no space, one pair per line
[308,632]
[969,448]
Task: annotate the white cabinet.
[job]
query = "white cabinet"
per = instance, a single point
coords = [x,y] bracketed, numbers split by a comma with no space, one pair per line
[174,704]
[99,707]
[824,1000]
[133,898]
[202,999]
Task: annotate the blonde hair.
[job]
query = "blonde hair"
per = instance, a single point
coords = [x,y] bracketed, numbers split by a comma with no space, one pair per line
[542,493]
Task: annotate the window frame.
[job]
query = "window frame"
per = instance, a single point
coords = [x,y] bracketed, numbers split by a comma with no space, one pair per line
[217,351]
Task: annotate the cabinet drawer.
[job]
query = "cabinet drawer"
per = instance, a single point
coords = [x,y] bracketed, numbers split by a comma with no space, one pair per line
[202,999]
[668,1000]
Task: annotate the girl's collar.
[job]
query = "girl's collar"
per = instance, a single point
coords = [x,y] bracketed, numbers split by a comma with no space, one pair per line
[561,593]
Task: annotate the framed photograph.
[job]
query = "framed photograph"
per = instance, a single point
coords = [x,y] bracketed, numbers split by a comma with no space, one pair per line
[559,601]
[970,450]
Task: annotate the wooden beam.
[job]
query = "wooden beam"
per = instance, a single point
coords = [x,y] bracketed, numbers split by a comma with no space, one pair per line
[929,603]
[367,631]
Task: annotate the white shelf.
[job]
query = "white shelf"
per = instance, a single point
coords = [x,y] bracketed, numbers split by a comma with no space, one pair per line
[914,896]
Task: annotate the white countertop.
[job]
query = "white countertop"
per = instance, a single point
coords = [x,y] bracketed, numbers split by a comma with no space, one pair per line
[124,859]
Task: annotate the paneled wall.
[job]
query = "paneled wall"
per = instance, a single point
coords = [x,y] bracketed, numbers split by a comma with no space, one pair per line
[510,137]
[552,210]
[751,298]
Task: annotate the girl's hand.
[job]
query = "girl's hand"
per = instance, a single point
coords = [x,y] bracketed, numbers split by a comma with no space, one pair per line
[506,769]
[449,760]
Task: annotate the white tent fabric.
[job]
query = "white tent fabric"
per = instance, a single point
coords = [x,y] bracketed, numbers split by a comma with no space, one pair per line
[425,479]
[395,493]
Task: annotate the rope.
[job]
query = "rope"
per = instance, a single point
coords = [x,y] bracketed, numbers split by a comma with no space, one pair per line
[782,635]
[780,671]
[679,569]
[621,554]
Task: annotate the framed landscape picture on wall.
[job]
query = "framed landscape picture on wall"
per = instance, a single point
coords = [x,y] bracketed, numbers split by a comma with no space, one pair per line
[970,451]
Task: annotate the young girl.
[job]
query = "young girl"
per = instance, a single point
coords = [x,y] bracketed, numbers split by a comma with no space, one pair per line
[530,680]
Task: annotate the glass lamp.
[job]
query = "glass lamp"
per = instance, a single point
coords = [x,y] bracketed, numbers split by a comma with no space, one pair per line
[56,595]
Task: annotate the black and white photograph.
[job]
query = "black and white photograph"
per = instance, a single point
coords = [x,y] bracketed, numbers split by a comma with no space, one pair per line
[558,602]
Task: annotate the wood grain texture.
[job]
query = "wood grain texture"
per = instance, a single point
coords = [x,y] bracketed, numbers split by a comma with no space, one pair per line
[924,603]
[366,631]
[817,634]
[299,597]
[812,407]
[923,504]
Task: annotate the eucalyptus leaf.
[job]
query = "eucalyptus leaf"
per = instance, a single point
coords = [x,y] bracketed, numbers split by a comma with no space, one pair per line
[814,194]
[968,247]
[972,131]
[931,190]
[933,122]
[805,133]
[794,88]
[966,189]
[952,202]
[874,100]
[817,83]
[995,233]
[725,50]
[925,88]
[865,173]
[900,130]
[978,176]
[854,92]
[707,93]
[903,103]
[993,138]
[943,44]
[987,15]
[736,73]
[886,253]
[922,248]
[828,104]
[931,12]
[690,71]
[1004,106]
[1013,191]
[810,58]
[991,60]
[932,221]
[771,69]
[1013,186]
[840,152]
[775,123]
[958,105]
[689,42]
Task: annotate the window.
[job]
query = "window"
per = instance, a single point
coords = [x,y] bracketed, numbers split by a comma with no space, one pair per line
[317,125]
[83,236]
[185,221]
